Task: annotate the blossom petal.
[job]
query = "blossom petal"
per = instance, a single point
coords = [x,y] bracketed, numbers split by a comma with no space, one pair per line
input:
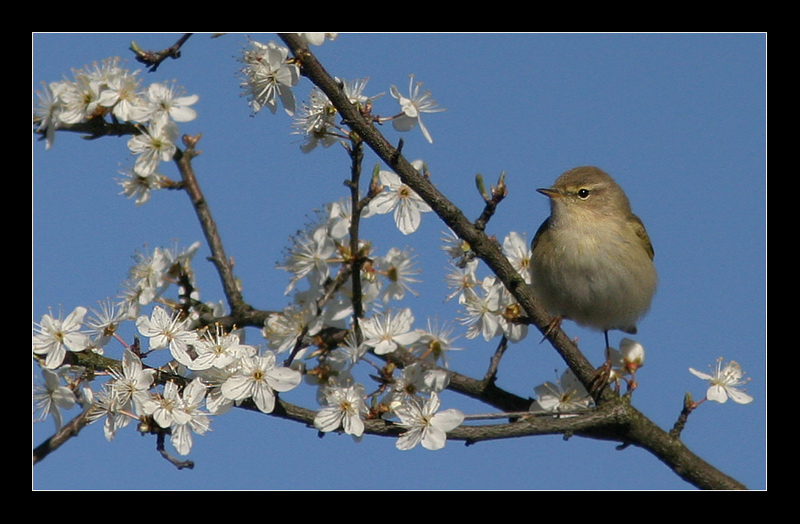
[353,425]
[284,379]
[700,374]
[383,203]
[264,399]
[407,338]
[425,131]
[404,122]
[407,217]
[409,439]
[434,439]
[385,346]
[55,357]
[740,397]
[717,394]
[182,114]
[328,419]
[237,387]
[181,439]
[448,419]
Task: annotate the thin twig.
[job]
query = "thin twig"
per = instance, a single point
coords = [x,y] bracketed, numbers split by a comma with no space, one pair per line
[688,406]
[492,199]
[356,259]
[69,430]
[178,463]
[153,59]
[494,362]
[183,159]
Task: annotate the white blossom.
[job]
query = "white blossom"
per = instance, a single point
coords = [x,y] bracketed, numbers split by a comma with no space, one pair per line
[106,405]
[435,342]
[567,394]
[283,330]
[414,381]
[168,331]
[316,121]
[259,378]
[48,110]
[509,312]
[724,383]
[103,324]
[132,385]
[310,257]
[166,408]
[50,397]
[425,426]
[55,336]
[627,359]
[147,278]
[462,280]
[218,349]
[385,332]
[193,420]
[455,247]
[400,199]
[155,144]
[317,38]
[160,102]
[80,99]
[269,76]
[517,249]
[345,408]
[120,92]
[398,268]
[412,108]
[483,310]
[139,186]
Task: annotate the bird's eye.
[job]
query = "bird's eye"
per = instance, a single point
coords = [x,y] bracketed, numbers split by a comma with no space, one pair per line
[583,194]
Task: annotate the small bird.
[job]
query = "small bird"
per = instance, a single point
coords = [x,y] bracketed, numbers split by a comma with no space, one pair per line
[591,259]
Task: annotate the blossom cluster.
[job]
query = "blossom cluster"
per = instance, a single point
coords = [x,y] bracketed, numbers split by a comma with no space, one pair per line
[107,90]
[489,310]
[269,75]
[316,260]
[212,370]
[207,370]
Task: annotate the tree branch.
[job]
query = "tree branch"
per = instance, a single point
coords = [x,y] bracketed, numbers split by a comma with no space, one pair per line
[69,430]
[356,259]
[153,59]
[183,159]
[97,127]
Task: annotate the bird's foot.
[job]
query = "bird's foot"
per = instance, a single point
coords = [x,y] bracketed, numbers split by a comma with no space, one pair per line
[602,376]
[552,327]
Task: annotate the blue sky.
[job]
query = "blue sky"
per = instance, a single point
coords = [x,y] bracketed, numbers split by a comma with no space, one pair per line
[678,119]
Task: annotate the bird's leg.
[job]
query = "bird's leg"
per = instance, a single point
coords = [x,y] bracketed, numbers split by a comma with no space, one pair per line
[603,373]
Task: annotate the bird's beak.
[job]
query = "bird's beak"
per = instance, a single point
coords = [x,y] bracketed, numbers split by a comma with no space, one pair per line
[550,193]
